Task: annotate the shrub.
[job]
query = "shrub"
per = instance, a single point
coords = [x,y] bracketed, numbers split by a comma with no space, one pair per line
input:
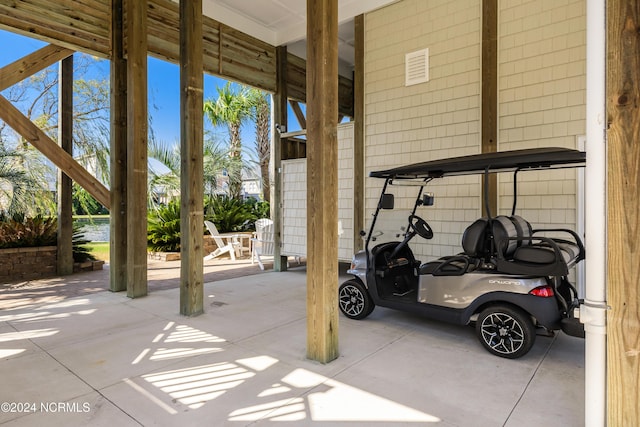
[259,209]
[163,229]
[19,231]
[228,214]
[81,252]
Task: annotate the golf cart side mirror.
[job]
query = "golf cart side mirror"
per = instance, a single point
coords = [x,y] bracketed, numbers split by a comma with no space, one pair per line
[386,201]
[427,199]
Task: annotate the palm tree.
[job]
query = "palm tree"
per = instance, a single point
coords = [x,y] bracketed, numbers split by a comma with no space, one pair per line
[262,116]
[216,161]
[233,107]
[23,183]
[166,177]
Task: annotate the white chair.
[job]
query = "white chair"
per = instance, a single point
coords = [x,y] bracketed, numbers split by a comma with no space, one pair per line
[227,243]
[263,245]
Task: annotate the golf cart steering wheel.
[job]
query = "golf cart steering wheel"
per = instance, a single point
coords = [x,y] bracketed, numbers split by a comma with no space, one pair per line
[420,227]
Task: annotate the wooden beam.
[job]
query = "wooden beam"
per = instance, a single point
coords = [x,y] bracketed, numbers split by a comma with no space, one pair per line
[34,135]
[489,101]
[191,155]
[31,64]
[623,205]
[118,155]
[295,107]
[358,134]
[65,185]
[78,25]
[229,53]
[297,85]
[293,134]
[280,118]
[322,180]
[136,32]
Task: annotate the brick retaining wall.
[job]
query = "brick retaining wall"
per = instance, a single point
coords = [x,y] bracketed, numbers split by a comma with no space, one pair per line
[27,263]
[17,264]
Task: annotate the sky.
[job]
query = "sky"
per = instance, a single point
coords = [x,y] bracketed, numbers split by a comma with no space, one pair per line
[163,89]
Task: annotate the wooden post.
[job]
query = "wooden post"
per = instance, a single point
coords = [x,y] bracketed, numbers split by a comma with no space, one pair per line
[489,108]
[118,156]
[279,112]
[65,185]
[358,135]
[191,155]
[136,210]
[322,180]
[623,205]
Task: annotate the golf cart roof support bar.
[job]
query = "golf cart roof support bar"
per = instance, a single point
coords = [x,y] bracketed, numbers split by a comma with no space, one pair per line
[515,191]
[487,205]
[415,205]
[375,215]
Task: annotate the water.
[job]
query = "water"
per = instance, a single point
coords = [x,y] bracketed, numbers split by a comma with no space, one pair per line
[96,230]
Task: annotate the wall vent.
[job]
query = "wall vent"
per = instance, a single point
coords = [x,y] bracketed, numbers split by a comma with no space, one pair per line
[416,66]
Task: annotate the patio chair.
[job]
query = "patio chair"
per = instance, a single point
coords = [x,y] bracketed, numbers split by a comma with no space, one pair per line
[227,243]
[262,244]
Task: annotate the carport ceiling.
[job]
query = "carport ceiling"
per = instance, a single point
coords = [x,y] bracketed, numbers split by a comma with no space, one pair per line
[283,22]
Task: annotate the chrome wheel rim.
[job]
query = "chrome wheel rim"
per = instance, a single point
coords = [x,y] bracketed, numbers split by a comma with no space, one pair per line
[351,300]
[502,333]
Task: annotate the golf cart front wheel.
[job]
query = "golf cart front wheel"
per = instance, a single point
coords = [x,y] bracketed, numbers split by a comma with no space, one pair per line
[354,300]
[505,331]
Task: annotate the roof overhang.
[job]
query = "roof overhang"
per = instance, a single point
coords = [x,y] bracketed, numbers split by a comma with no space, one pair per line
[284,22]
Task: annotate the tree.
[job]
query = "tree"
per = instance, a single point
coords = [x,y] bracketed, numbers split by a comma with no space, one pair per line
[233,107]
[164,179]
[37,98]
[23,182]
[262,116]
[216,159]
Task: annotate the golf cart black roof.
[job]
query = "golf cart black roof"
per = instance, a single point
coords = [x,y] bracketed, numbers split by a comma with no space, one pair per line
[503,161]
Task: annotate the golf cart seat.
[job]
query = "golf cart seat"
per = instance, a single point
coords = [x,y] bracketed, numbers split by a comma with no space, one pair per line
[519,251]
[474,244]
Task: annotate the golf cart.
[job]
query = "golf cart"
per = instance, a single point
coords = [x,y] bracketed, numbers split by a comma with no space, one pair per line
[510,279]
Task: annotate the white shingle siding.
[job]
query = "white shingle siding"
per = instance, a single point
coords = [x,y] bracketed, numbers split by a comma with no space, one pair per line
[294,199]
[541,100]
[436,119]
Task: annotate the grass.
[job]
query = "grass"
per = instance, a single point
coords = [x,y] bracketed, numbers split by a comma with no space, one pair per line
[100,250]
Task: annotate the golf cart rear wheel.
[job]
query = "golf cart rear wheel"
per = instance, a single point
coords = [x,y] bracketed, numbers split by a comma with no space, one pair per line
[354,300]
[505,331]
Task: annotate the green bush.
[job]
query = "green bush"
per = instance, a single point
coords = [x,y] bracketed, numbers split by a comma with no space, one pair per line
[229,215]
[163,228]
[19,231]
[81,250]
[259,209]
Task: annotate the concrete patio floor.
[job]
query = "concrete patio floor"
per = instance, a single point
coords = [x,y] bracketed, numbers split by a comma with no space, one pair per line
[101,359]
